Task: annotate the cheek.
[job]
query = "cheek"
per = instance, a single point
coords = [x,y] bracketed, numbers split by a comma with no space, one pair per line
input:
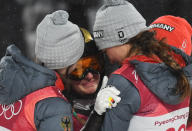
[72,68]
[110,55]
[77,87]
[76,84]
[91,90]
[113,56]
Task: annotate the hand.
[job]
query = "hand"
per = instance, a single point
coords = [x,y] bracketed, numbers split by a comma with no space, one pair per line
[107,98]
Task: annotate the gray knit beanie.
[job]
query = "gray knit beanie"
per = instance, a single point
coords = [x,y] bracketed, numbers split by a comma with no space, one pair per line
[59,42]
[116,22]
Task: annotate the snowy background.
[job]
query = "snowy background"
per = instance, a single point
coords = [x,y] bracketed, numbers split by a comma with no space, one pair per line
[19,18]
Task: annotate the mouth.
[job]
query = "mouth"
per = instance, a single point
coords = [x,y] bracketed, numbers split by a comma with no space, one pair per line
[89,84]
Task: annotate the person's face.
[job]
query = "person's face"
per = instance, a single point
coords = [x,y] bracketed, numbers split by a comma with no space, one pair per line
[85,78]
[88,85]
[118,53]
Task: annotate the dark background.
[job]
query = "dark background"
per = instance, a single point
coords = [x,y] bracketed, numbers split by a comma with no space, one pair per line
[19,18]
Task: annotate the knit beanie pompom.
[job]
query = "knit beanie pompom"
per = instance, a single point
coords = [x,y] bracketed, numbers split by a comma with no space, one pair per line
[60,17]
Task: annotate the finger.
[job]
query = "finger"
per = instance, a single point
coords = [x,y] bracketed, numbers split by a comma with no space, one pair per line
[114,104]
[104,82]
[112,90]
[117,99]
[109,105]
[106,105]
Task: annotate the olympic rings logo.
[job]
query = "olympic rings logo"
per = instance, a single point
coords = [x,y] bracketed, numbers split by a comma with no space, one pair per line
[10,108]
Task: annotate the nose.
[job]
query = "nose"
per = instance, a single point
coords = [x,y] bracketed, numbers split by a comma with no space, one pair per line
[89,76]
